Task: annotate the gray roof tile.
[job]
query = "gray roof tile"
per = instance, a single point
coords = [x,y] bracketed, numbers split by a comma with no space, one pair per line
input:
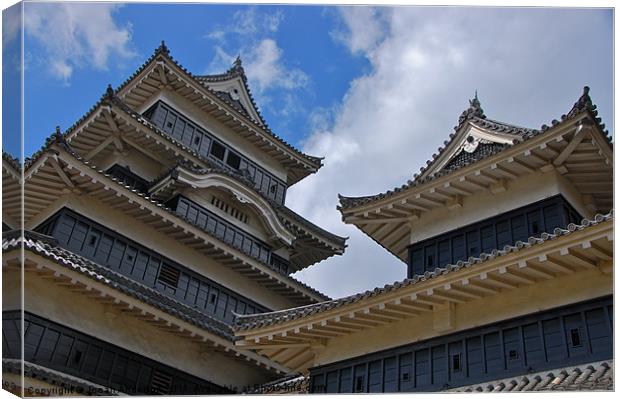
[249,322]
[48,248]
[475,116]
[62,143]
[598,376]
[57,378]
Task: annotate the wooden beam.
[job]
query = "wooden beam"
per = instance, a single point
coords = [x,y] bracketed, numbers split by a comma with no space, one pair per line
[516,276]
[503,170]
[273,346]
[475,285]
[578,258]
[597,250]
[455,202]
[578,137]
[521,164]
[527,267]
[162,74]
[61,172]
[464,179]
[458,190]
[461,291]
[497,282]
[99,148]
[109,119]
[556,264]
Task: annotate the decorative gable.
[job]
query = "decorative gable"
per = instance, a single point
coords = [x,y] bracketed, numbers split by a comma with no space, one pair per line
[232,87]
[476,137]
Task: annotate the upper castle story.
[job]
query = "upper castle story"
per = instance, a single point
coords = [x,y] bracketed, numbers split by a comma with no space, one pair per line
[490,185]
[183,167]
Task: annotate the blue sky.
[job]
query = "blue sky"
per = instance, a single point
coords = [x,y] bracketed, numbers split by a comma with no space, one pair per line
[198,36]
[376,90]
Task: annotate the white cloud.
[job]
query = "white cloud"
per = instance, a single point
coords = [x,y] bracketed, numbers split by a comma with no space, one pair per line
[363,29]
[528,65]
[77,35]
[11,23]
[251,34]
[250,21]
[264,68]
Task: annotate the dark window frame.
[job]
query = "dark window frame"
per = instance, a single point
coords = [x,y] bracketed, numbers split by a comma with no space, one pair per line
[469,241]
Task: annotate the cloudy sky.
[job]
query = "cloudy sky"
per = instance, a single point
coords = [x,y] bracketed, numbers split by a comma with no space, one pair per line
[376,90]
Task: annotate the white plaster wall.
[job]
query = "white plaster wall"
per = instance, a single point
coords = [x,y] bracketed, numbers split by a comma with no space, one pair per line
[11,290]
[549,294]
[178,252]
[254,225]
[138,163]
[520,192]
[84,314]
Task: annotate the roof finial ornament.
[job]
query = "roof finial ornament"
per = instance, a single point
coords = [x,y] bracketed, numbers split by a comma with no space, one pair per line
[163,48]
[474,110]
[236,66]
[56,136]
[584,103]
[109,92]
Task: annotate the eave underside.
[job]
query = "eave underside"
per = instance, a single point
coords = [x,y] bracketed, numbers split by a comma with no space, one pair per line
[51,177]
[163,73]
[96,283]
[584,158]
[289,336]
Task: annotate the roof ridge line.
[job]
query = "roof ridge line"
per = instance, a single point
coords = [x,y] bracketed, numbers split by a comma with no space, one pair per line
[65,146]
[439,271]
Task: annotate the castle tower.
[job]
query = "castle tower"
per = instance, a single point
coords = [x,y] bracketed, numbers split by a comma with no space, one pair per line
[508,238]
[149,225]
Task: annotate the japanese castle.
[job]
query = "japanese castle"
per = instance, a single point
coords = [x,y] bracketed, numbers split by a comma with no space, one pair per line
[158,249]
[148,226]
[508,237]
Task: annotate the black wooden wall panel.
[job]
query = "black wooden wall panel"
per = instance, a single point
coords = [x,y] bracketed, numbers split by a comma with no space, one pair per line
[108,248]
[182,129]
[561,337]
[229,233]
[490,234]
[131,179]
[60,348]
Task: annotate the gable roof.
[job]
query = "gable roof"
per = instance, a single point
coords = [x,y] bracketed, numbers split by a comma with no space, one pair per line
[259,320]
[474,117]
[48,247]
[242,99]
[244,113]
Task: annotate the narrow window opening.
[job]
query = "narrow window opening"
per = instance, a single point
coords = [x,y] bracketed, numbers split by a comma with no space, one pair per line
[513,354]
[130,258]
[233,160]
[169,124]
[405,377]
[535,228]
[169,275]
[218,150]
[77,356]
[575,337]
[456,362]
[273,188]
[161,382]
[430,260]
[197,140]
[212,298]
[92,240]
[359,384]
